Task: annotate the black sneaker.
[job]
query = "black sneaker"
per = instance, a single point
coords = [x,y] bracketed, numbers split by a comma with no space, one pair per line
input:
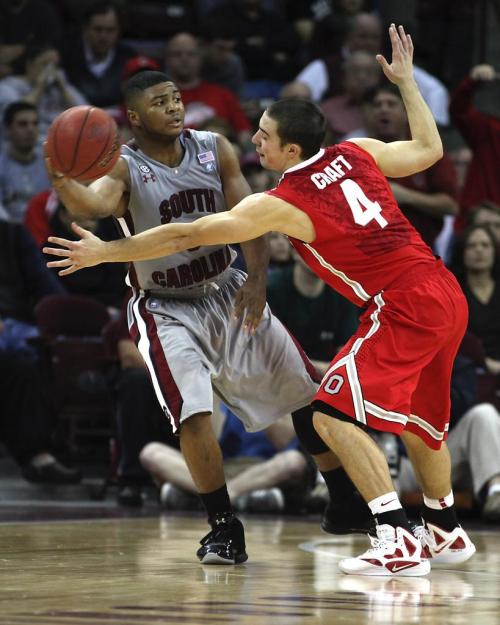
[348,517]
[225,544]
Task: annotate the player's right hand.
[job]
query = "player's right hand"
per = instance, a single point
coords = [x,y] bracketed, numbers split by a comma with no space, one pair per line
[57,179]
[87,252]
[401,67]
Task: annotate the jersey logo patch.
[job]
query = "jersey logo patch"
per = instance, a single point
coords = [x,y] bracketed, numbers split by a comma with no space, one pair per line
[147,174]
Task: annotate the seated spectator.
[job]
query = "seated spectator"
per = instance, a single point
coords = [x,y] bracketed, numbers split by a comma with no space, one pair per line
[365,33]
[280,252]
[360,73]
[473,442]
[27,23]
[476,264]
[47,216]
[221,65]
[139,417]
[96,61]
[266,42]
[26,421]
[426,196]
[296,90]
[319,318]
[43,84]
[481,131]
[22,168]
[203,100]
[265,470]
[486,213]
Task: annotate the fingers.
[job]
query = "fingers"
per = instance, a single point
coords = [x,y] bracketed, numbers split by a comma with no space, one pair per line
[66,262]
[80,231]
[72,269]
[63,242]
[383,62]
[55,251]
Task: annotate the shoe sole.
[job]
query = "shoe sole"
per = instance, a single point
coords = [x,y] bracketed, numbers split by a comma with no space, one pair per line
[454,558]
[213,558]
[424,568]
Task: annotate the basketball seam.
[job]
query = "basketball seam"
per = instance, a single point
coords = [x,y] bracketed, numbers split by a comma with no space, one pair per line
[54,146]
[75,151]
[96,160]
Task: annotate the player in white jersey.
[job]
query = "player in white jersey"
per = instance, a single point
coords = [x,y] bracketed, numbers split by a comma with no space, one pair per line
[197,322]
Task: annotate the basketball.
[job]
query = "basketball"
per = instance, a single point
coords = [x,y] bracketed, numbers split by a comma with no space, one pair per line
[83,143]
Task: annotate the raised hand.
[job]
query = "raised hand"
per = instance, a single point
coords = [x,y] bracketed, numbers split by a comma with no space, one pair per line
[401,68]
[86,252]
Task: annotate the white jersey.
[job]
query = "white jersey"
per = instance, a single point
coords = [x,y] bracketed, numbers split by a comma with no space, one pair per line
[162,195]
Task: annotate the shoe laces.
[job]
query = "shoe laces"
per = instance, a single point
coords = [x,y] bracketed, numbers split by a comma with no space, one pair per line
[218,533]
[384,539]
[422,534]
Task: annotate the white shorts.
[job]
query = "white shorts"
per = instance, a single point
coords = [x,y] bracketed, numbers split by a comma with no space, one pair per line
[190,345]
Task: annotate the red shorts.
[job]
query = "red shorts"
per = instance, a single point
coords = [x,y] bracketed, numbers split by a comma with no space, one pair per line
[394,374]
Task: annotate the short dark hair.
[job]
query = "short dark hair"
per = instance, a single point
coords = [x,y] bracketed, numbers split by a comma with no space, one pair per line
[383,87]
[99,7]
[457,258]
[141,81]
[483,205]
[300,122]
[14,108]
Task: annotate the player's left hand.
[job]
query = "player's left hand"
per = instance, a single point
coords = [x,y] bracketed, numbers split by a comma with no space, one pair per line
[86,252]
[250,301]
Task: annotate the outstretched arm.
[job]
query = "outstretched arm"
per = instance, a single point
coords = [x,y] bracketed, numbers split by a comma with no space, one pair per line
[404,158]
[251,218]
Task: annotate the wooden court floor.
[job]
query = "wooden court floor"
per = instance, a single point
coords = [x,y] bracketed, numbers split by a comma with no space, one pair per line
[144,571]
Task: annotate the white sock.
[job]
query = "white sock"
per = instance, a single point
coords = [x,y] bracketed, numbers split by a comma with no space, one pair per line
[439,504]
[385,503]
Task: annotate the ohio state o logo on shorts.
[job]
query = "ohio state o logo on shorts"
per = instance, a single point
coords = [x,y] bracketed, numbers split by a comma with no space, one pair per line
[334,384]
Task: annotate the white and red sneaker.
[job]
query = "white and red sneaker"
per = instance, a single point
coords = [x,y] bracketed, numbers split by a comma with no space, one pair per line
[394,551]
[444,547]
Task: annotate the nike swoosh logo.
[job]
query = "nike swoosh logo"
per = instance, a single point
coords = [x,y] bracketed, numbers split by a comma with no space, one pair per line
[443,546]
[400,567]
[386,503]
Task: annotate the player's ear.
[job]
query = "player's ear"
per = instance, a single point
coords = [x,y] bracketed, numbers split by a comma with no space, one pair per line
[133,117]
[294,150]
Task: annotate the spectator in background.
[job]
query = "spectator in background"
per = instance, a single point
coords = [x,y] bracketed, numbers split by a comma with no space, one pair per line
[95,63]
[426,196]
[473,441]
[280,252]
[482,133]
[266,43]
[26,420]
[22,168]
[486,213]
[221,65]
[365,33]
[319,318]
[139,417]
[360,73]
[43,84]
[203,100]
[47,216]
[265,470]
[476,264]
[26,23]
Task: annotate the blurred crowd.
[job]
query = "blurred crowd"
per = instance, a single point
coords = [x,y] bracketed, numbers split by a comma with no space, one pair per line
[230,59]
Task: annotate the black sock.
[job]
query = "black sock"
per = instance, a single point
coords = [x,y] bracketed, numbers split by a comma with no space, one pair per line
[217,502]
[446,518]
[396,518]
[339,484]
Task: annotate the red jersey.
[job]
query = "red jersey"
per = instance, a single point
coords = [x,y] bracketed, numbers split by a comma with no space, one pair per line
[364,243]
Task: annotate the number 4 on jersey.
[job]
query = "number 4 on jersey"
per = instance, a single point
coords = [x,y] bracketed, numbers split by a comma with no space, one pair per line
[363,209]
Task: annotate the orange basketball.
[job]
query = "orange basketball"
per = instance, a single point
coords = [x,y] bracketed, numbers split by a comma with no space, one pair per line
[83,143]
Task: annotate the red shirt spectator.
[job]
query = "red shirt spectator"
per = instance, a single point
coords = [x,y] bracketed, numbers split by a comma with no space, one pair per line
[207,100]
[482,133]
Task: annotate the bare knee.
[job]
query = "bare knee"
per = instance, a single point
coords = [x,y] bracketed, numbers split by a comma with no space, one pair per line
[152,454]
[288,465]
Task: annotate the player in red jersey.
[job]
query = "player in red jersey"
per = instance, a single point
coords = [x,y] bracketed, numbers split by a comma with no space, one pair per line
[394,374]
